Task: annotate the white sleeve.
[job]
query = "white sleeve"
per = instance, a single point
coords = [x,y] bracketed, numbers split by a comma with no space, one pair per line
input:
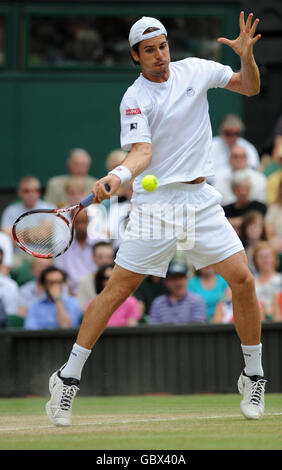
[218,74]
[134,123]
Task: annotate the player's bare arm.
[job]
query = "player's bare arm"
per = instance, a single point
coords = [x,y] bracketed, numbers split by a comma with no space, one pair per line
[247,80]
[136,161]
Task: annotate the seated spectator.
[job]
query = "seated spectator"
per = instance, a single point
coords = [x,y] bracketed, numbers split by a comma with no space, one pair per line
[268,281]
[32,290]
[210,286]
[55,309]
[9,299]
[75,191]
[273,183]
[230,134]
[178,306]
[28,192]
[224,309]
[78,165]
[235,211]
[150,288]
[115,158]
[223,178]
[253,230]
[277,307]
[77,261]
[127,314]
[103,254]
[273,222]
[6,246]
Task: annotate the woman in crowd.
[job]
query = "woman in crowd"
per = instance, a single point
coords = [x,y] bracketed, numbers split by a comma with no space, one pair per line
[252,231]
[268,280]
[273,221]
[210,286]
[128,313]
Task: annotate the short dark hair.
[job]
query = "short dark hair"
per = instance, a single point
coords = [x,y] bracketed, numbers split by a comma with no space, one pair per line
[51,269]
[100,277]
[136,46]
[101,243]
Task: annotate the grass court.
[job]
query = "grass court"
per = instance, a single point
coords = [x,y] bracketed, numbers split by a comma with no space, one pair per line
[167,422]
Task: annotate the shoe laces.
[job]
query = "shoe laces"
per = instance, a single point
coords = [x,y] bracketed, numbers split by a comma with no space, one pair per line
[256,391]
[68,394]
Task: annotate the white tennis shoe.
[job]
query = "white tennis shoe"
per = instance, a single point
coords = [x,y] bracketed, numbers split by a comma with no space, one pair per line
[252,389]
[63,391]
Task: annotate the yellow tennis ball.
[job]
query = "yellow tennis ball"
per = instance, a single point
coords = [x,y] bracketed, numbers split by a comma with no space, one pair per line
[150,182]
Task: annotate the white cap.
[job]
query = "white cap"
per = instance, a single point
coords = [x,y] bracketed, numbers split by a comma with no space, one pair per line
[136,33]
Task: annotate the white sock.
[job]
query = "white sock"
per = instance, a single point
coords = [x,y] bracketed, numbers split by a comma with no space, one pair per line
[76,361]
[252,357]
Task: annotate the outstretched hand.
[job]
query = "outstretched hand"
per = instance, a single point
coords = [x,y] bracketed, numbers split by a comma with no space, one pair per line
[243,44]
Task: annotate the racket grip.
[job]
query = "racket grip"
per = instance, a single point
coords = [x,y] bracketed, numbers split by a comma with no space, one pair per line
[87,201]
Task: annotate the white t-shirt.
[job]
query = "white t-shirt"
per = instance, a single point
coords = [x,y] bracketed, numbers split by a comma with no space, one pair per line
[173,116]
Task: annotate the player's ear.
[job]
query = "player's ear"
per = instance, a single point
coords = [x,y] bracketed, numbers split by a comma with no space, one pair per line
[134,56]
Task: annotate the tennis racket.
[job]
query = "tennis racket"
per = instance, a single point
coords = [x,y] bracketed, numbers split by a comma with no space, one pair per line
[48,233]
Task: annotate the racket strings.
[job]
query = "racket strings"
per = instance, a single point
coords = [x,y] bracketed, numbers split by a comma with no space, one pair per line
[43,234]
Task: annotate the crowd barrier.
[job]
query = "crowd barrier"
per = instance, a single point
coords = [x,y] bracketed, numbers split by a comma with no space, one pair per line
[138,360]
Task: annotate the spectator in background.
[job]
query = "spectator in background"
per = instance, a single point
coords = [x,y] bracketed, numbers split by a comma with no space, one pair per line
[103,254]
[75,191]
[115,158]
[210,286]
[77,261]
[273,183]
[32,290]
[9,298]
[127,314]
[55,309]
[150,288]
[273,221]
[253,230]
[28,192]
[241,188]
[223,178]
[268,281]
[230,134]
[224,309]
[78,165]
[6,246]
[178,306]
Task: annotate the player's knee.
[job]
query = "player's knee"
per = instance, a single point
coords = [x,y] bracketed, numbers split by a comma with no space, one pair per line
[244,280]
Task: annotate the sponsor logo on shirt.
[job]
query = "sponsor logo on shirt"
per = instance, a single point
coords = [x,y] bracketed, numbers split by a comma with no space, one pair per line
[190,91]
[133,111]
[133,126]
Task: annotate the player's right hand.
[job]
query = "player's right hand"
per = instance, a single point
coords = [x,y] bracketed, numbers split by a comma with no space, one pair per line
[100,192]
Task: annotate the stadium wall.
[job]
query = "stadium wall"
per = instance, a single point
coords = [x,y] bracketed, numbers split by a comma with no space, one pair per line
[139,360]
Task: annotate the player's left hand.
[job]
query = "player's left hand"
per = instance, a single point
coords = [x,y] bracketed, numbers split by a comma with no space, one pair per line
[243,44]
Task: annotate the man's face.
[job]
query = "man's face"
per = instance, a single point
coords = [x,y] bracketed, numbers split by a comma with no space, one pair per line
[154,57]
[103,255]
[177,285]
[242,191]
[29,192]
[79,164]
[54,283]
[230,135]
[238,158]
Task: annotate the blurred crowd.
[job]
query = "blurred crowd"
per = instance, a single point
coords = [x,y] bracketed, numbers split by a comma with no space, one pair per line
[37,293]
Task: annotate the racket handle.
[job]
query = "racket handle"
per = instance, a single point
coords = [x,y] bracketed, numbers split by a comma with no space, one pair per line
[87,201]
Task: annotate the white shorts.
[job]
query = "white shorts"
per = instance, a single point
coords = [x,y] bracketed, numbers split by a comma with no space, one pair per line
[176,216]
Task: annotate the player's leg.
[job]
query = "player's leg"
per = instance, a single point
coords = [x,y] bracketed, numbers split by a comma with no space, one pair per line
[64,383]
[235,271]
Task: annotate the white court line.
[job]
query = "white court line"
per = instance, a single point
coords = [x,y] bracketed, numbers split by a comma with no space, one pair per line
[124,421]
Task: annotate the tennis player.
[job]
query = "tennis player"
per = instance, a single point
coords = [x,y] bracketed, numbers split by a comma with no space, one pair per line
[165,126]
